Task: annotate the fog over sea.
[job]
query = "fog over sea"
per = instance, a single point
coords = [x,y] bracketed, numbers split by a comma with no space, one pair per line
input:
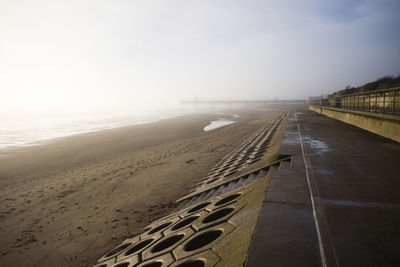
[17,130]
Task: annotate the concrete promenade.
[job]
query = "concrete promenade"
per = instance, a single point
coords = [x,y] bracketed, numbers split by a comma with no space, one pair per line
[339,204]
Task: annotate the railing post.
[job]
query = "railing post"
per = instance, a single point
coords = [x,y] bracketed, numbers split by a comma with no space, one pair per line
[357,101]
[384,102]
[351,103]
[363,100]
[394,102]
[320,105]
[376,102]
[369,103]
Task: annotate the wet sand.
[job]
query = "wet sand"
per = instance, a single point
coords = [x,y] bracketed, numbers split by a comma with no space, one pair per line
[68,202]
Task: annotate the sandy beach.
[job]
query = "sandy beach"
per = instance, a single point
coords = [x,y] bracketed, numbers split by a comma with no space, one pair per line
[68,202]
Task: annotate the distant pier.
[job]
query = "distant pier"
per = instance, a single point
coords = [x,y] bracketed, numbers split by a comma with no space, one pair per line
[243,102]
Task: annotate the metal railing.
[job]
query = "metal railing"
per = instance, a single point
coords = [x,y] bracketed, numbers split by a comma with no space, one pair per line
[385,101]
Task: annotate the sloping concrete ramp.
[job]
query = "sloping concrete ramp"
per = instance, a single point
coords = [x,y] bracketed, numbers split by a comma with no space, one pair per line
[214,225]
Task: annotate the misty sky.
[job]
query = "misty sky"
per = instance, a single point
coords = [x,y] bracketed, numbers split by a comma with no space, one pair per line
[88,55]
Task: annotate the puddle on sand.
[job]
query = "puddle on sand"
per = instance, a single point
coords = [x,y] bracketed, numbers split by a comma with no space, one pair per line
[217,124]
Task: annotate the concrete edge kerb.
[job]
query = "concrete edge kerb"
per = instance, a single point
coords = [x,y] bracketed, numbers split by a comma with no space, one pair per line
[380,116]
[389,128]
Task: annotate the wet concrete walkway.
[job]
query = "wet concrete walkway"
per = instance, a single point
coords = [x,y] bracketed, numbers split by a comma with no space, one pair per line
[353,216]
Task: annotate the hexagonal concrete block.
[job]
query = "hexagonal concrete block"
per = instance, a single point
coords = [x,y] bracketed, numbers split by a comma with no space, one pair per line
[132,240]
[161,261]
[185,222]
[160,226]
[203,240]
[217,203]
[217,216]
[167,243]
[115,251]
[128,262]
[196,208]
[226,199]
[139,246]
[206,258]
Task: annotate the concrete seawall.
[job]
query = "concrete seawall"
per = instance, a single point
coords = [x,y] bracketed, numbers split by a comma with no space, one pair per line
[384,125]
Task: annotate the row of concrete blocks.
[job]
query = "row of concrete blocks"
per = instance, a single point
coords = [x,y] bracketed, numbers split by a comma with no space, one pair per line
[190,237]
[184,238]
[251,141]
[222,187]
[250,151]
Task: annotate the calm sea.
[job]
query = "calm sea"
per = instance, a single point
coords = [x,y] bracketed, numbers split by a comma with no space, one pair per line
[29,130]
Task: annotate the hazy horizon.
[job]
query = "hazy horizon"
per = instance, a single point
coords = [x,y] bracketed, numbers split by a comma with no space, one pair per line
[86,56]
